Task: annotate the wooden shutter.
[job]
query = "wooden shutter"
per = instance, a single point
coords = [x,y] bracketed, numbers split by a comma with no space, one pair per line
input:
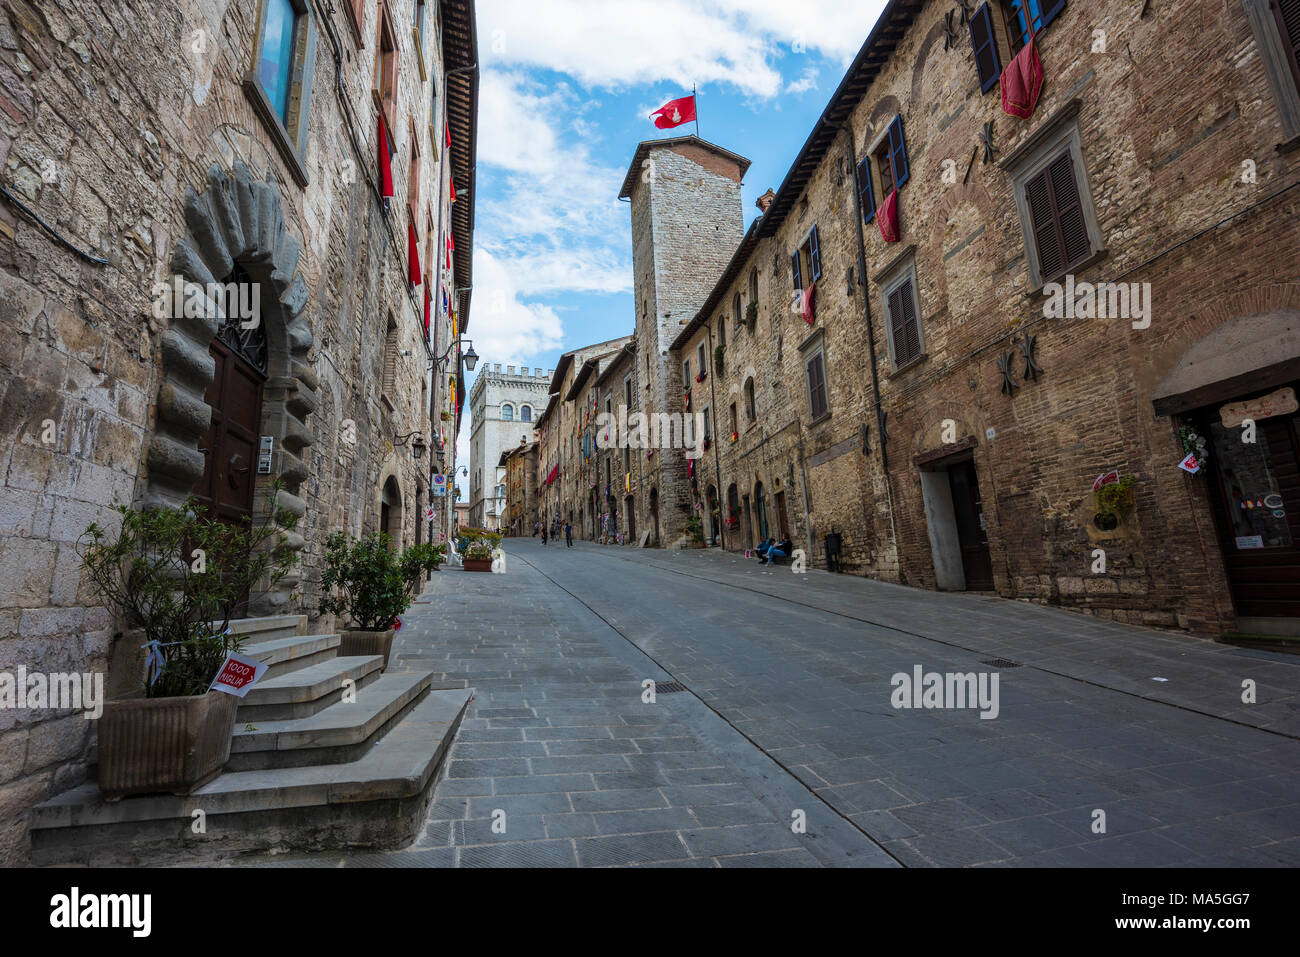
[816,386]
[865,191]
[1056,215]
[903,324]
[794,266]
[898,152]
[815,255]
[1287,13]
[987,62]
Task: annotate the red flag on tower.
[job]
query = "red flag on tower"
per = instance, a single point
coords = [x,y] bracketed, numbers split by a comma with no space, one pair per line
[675,113]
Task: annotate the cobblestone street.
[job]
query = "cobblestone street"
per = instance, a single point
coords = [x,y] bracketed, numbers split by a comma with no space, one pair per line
[785,708]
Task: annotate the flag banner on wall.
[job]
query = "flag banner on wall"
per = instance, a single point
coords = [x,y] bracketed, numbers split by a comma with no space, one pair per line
[385,164]
[1022,82]
[887,217]
[413,252]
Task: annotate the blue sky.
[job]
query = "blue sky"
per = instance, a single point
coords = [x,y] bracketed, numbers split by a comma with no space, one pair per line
[566,90]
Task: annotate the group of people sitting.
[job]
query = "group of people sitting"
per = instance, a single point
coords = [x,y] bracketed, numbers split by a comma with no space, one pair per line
[769,550]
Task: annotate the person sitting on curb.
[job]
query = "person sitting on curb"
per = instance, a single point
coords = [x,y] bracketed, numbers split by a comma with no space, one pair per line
[781,549]
[760,550]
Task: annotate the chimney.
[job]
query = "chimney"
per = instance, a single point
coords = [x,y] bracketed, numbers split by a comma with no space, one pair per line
[764,201]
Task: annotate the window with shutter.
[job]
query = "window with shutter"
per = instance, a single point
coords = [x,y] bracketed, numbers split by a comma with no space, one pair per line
[1287,13]
[815,368]
[1027,17]
[794,269]
[1056,213]
[865,193]
[815,255]
[807,260]
[891,159]
[987,61]
[904,326]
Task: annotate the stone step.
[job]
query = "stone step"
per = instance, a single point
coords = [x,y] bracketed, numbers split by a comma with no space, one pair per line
[342,732]
[271,626]
[305,692]
[377,801]
[285,655]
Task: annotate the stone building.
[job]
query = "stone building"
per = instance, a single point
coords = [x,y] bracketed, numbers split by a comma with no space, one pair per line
[947,401]
[205,144]
[503,406]
[686,220]
[567,424]
[520,464]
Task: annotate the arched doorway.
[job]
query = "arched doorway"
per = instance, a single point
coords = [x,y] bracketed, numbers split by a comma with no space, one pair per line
[654,516]
[760,510]
[390,512]
[713,520]
[734,515]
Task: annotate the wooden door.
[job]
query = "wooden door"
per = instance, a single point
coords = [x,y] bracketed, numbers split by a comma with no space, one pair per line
[1256,492]
[230,444]
[975,560]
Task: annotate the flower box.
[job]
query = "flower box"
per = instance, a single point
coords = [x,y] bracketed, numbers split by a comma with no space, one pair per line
[478,564]
[362,643]
[174,745]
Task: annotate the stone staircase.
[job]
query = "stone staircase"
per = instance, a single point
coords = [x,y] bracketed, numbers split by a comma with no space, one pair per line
[328,752]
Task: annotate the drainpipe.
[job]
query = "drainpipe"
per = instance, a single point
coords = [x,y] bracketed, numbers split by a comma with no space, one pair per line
[803,480]
[871,336]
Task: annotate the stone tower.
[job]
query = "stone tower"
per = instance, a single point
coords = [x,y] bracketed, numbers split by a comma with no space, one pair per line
[687,221]
[503,407]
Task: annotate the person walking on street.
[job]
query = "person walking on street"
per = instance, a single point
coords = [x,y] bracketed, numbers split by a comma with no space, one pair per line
[543,535]
[568,535]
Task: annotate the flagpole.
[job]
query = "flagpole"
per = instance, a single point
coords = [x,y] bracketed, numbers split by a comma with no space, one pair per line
[695,99]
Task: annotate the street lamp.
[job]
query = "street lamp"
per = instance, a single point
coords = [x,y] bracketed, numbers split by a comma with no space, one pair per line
[469,356]
[417,443]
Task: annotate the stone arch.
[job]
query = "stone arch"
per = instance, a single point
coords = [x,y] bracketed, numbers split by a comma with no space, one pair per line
[389,471]
[920,62]
[882,114]
[953,201]
[236,221]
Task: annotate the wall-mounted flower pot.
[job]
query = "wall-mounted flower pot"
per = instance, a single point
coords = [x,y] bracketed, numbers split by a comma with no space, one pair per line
[355,643]
[174,745]
[478,564]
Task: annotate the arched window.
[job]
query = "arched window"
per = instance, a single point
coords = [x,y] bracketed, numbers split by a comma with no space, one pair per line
[749,400]
[507,412]
[753,285]
[737,313]
[526,413]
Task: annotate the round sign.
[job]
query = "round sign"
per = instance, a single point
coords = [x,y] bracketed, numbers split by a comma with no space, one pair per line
[1273,501]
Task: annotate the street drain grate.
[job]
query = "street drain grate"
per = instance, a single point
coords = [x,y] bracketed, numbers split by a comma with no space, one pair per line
[1001,663]
[669,687]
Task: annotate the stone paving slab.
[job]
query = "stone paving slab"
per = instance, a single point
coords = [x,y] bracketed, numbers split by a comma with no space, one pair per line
[788,714]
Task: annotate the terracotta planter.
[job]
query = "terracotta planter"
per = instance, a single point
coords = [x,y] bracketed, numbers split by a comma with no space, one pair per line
[366,643]
[478,564]
[164,744]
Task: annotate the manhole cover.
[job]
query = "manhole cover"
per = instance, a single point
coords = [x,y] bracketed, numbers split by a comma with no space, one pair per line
[1001,663]
[669,687]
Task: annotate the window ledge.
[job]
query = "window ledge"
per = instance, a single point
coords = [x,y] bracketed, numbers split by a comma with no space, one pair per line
[909,364]
[820,420]
[279,135]
[1094,259]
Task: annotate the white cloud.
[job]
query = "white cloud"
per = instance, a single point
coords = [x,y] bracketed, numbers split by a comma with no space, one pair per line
[546,210]
[504,327]
[616,45]
[807,81]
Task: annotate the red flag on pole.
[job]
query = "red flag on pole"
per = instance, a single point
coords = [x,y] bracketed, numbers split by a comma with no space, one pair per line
[453,188]
[447,128]
[674,113]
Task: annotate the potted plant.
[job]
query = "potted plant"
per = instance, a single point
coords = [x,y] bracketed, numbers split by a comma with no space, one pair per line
[478,557]
[1113,500]
[719,358]
[176,577]
[751,314]
[365,582]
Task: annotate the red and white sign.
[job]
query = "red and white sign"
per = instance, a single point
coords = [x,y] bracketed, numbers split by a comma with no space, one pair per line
[1190,464]
[237,675]
[1108,478]
[428,514]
